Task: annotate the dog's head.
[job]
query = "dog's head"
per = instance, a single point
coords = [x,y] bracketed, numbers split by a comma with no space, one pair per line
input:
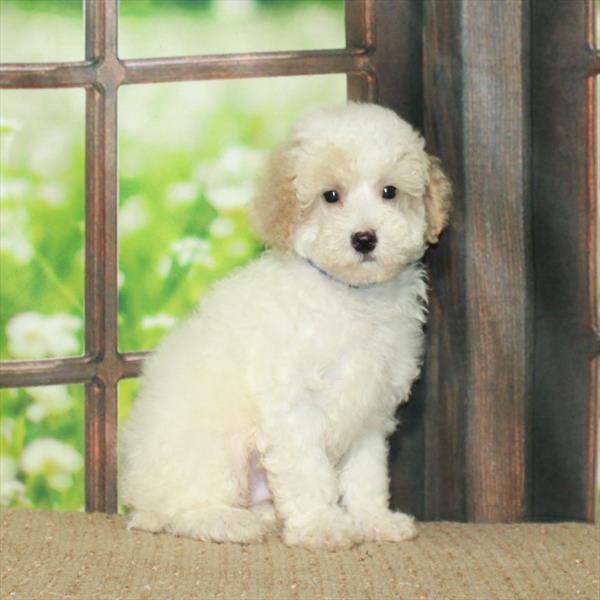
[354,191]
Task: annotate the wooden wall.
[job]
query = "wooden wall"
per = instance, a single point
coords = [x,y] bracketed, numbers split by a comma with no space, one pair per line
[502,424]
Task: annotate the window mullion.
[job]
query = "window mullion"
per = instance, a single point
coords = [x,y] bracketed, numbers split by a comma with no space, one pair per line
[101,306]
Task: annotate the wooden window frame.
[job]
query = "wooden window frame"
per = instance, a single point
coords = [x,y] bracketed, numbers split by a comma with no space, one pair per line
[489,434]
[101,74]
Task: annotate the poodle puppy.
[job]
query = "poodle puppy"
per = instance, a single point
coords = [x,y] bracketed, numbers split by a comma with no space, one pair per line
[270,407]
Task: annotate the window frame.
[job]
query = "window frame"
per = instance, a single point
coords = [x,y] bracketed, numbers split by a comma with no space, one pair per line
[101,74]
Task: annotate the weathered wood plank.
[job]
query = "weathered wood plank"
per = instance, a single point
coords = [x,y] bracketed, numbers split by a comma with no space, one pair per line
[478,383]
[446,365]
[564,240]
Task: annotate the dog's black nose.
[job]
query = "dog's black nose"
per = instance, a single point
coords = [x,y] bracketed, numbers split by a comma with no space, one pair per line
[364,241]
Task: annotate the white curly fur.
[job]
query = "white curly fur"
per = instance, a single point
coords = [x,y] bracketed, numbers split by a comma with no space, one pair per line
[271,405]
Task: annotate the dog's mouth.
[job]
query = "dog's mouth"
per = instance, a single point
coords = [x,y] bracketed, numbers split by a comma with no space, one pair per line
[368,258]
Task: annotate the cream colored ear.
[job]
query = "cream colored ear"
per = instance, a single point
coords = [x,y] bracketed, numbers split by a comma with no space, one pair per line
[438,200]
[274,210]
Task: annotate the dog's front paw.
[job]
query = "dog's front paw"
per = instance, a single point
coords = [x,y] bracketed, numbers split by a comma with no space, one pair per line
[386,526]
[330,530]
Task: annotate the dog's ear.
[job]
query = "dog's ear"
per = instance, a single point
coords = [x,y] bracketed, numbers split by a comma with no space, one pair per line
[438,200]
[274,210]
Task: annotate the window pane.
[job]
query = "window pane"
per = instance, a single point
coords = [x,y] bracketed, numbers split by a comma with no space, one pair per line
[190,154]
[41,30]
[42,447]
[128,390]
[41,223]
[180,27]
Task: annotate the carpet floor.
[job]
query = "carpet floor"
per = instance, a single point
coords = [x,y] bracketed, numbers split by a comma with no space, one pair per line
[93,556]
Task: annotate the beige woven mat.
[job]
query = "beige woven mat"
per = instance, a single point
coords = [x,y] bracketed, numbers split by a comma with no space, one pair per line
[57,555]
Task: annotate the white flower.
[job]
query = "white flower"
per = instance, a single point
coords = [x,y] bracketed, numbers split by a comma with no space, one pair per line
[226,197]
[131,163]
[240,160]
[46,156]
[228,181]
[18,245]
[26,336]
[181,193]
[12,490]
[238,248]
[133,216]
[10,486]
[12,188]
[7,135]
[164,266]
[234,9]
[48,400]
[33,335]
[221,227]
[7,428]
[8,469]
[53,193]
[192,251]
[35,412]
[60,481]
[159,321]
[7,126]
[12,236]
[51,457]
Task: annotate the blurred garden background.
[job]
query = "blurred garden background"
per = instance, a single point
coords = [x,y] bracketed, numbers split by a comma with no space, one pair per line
[189,156]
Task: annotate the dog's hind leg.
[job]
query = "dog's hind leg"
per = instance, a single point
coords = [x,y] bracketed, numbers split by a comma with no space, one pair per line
[219,523]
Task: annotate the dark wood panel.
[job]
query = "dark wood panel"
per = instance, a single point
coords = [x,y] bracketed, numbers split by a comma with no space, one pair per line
[360,35]
[564,237]
[397,57]
[498,264]
[446,367]
[478,378]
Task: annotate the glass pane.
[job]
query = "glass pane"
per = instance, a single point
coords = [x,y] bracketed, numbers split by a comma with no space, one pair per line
[41,30]
[190,154]
[128,390]
[42,447]
[41,223]
[150,28]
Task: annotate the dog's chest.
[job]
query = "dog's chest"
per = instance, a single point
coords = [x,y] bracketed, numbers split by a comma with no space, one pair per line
[350,368]
[349,356]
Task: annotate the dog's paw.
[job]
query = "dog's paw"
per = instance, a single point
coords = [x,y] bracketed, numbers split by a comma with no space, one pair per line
[330,530]
[219,524]
[147,520]
[386,527]
[266,511]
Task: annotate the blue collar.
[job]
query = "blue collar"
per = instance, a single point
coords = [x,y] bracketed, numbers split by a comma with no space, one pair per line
[350,285]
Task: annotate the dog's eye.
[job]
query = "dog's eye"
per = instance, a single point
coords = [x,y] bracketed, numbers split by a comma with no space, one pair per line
[388,192]
[331,196]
